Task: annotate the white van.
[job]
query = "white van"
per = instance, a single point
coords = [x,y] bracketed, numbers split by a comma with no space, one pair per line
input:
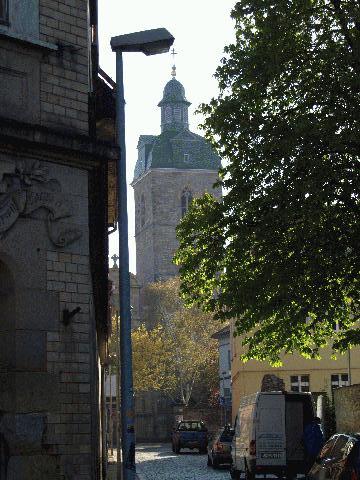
[268,434]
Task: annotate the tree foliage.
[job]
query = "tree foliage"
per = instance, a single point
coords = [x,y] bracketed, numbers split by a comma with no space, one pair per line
[152,360]
[177,355]
[280,252]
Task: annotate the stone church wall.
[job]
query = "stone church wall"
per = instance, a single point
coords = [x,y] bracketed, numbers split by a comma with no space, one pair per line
[156,242]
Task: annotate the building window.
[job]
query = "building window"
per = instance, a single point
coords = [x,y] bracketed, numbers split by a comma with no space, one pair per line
[186,158]
[186,199]
[337,326]
[339,380]
[4,11]
[177,114]
[229,359]
[300,383]
[142,211]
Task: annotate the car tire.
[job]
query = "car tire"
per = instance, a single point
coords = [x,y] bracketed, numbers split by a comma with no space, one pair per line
[215,464]
[172,447]
[209,462]
[234,474]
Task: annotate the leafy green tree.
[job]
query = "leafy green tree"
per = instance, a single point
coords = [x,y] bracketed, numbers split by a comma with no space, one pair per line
[175,354]
[152,355]
[280,253]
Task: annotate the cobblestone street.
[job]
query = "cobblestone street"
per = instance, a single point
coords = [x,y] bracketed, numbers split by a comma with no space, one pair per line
[158,462]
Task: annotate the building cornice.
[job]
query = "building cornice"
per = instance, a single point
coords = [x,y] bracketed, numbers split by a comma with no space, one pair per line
[173,170]
[52,145]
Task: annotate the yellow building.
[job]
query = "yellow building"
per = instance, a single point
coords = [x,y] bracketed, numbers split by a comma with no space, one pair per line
[298,373]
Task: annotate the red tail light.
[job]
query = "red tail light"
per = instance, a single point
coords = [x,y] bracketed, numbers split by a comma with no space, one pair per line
[354,475]
[219,447]
[252,447]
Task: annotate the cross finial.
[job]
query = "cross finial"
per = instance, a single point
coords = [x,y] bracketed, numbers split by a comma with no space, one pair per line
[173,53]
[173,71]
[115,258]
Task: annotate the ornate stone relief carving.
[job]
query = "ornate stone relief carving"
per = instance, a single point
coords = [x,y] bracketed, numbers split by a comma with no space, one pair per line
[28,189]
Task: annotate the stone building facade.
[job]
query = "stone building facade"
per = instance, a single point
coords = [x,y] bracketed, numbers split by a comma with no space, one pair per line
[172,168]
[54,219]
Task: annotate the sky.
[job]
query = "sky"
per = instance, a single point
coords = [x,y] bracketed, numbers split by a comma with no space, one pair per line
[201,29]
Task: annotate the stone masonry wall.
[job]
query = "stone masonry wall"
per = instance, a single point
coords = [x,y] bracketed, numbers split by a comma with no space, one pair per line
[347,408]
[69,431]
[64,82]
[156,242]
[48,369]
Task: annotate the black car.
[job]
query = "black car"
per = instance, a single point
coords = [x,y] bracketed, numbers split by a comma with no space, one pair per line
[219,450]
[339,459]
[190,434]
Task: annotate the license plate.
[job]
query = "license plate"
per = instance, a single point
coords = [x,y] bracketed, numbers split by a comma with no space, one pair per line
[271,455]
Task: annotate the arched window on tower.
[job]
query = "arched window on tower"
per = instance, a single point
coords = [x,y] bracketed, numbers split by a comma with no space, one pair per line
[142,210]
[186,199]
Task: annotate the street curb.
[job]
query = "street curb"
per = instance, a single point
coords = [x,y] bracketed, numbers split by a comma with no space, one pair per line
[140,476]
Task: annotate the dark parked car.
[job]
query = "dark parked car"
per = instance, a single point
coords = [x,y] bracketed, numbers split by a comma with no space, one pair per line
[339,459]
[190,434]
[219,450]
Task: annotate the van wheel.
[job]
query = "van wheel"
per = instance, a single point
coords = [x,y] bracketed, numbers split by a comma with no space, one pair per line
[235,474]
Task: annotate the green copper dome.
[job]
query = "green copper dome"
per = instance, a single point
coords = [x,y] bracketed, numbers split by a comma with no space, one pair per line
[174,92]
[176,146]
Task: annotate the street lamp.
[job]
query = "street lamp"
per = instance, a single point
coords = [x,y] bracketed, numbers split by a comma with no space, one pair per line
[149,42]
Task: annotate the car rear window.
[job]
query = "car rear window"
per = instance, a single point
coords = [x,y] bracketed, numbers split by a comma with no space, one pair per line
[226,436]
[327,448]
[191,426]
[339,450]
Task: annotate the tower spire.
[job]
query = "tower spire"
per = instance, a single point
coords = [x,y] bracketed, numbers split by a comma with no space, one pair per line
[173,70]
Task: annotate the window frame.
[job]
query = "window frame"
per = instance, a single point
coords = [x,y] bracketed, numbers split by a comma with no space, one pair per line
[142,211]
[300,383]
[186,199]
[339,382]
[5,19]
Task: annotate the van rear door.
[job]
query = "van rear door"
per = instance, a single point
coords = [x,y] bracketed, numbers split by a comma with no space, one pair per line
[270,430]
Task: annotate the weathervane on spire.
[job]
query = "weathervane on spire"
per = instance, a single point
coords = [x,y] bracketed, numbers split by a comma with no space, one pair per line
[173,71]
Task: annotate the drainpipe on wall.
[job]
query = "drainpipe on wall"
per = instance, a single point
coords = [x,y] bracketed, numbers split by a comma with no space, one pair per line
[349,366]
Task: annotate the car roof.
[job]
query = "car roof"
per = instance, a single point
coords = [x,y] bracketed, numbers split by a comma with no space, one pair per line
[187,421]
[347,434]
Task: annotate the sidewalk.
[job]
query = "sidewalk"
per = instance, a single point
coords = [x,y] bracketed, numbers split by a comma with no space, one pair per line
[112,472]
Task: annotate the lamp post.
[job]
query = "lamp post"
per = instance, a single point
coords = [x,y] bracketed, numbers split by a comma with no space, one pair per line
[149,42]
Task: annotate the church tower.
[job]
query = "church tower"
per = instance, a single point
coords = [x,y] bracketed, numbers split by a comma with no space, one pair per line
[172,168]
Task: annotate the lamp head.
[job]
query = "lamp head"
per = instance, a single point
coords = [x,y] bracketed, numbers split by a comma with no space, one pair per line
[150,42]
